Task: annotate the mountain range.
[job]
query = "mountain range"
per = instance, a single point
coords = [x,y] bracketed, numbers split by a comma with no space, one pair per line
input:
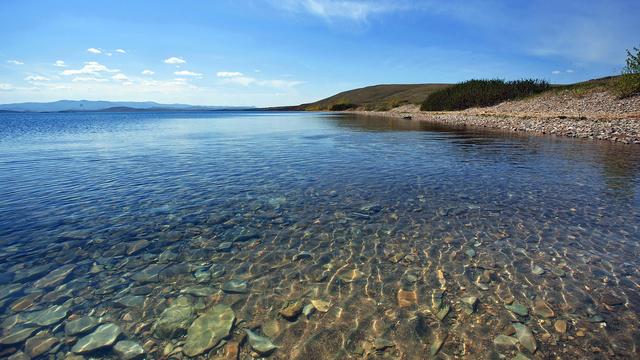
[87,105]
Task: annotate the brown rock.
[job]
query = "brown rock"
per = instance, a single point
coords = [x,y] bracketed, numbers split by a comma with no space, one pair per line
[541,308]
[560,326]
[407,298]
[40,344]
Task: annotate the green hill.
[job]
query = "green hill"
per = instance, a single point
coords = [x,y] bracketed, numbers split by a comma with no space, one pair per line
[377,97]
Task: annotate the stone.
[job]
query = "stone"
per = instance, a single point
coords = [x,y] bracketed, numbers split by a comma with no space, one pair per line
[17,336]
[351,275]
[80,326]
[136,246]
[235,287]
[199,291]
[291,309]
[225,246]
[612,299]
[321,305]
[149,274]
[560,326]
[209,329]
[470,253]
[521,356]
[39,344]
[128,350]
[443,312]
[49,316]
[517,308]
[55,278]
[104,336]
[407,298]
[525,337]
[471,303]
[19,356]
[308,310]
[174,320]
[537,270]
[131,301]
[437,343]
[541,308]
[260,344]
[303,255]
[504,340]
[381,344]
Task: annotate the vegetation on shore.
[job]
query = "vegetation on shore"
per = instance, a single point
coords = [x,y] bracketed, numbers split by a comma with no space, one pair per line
[479,93]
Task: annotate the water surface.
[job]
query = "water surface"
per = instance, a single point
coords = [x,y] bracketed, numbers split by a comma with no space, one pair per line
[392,226]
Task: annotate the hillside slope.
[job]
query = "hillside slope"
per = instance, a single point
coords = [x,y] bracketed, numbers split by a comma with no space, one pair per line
[377,97]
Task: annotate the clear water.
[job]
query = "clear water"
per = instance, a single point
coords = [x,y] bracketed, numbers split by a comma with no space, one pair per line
[389,221]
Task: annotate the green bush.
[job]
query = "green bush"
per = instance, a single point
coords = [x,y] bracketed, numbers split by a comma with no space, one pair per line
[342,106]
[629,83]
[478,93]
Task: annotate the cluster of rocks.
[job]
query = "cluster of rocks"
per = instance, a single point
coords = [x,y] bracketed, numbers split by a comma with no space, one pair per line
[595,115]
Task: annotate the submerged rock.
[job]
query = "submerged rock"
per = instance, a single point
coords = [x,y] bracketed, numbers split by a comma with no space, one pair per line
[16,336]
[49,316]
[537,270]
[135,246]
[128,350]
[235,287]
[381,343]
[471,303]
[54,278]
[541,308]
[351,275]
[560,326]
[260,344]
[208,329]
[437,343]
[104,336]
[321,305]
[504,340]
[80,326]
[517,308]
[40,344]
[174,320]
[291,310]
[525,337]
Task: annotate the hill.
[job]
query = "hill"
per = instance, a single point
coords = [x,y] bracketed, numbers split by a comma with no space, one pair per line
[377,97]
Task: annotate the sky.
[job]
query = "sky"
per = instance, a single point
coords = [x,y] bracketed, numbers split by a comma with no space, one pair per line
[285,52]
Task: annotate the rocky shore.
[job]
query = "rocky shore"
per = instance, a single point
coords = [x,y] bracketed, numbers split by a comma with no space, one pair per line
[595,115]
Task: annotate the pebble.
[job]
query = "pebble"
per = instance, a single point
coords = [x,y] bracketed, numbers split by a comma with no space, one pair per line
[537,270]
[560,326]
[504,340]
[517,308]
[16,336]
[40,344]
[291,309]
[209,329]
[235,287]
[541,308]
[321,305]
[104,336]
[128,350]
[525,337]
[260,344]
[381,344]
[80,326]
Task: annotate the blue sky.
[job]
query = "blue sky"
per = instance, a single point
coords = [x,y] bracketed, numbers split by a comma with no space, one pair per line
[279,52]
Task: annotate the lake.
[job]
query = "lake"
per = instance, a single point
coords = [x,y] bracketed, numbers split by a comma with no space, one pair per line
[329,236]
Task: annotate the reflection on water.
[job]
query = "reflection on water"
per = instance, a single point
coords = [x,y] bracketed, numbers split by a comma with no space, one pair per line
[312,236]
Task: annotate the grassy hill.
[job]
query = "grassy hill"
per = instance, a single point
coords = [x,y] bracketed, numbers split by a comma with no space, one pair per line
[377,97]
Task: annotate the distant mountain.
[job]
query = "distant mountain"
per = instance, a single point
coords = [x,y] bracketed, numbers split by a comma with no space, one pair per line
[87,105]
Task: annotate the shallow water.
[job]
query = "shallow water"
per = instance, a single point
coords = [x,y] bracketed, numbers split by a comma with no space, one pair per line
[389,227]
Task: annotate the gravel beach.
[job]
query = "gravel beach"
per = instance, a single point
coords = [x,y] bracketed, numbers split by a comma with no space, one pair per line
[596,115]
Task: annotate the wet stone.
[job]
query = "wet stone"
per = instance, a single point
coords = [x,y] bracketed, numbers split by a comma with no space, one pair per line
[504,340]
[136,246]
[471,303]
[308,310]
[443,312]
[174,320]
[381,344]
[80,326]
[128,350]
[407,298]
[40,344]
[17,335]
[49,316]
[303,255]
[260,344]
[131,301]
[517,308]
[19,356]
[291,310]
[150,274]
[104,336]
[541,308]
[612,299]
[235,287]
[54,278]
[470,253]
[199,291]
[208,330]
[225,246]
[350,276]
[525,337]
[437,342]
[560,326]
[321,305]
[537,270]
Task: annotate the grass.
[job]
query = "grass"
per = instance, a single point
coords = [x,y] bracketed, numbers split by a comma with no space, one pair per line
[480,93]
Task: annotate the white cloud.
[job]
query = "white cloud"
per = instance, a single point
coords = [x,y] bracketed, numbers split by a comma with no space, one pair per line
[60,63]
[147,72]
[345,9]
[36,78]
[239,80]
[94,51]
[555,72]
[90,67]
[88,79]
[6,87]
[570,71]
[187,73]
[120,77]
[121,51]
[15,62]
[174,60]
[228,74]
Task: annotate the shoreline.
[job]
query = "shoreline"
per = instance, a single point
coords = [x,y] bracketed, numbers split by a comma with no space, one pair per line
[593,117]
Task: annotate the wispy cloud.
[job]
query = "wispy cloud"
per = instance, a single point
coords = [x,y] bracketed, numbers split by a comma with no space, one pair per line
[147,72]
[60,63]
[121,51]
[94,50]
[36,78]
[120,77]
[187,73]
[90,68]
[15,62]
[341,9]
[175,60]
[6,87]
[238,78]
[88,79]
[556,72]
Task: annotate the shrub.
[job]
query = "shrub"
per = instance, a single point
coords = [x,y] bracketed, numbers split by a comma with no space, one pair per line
[478,93]
[629,83]
[342,106]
